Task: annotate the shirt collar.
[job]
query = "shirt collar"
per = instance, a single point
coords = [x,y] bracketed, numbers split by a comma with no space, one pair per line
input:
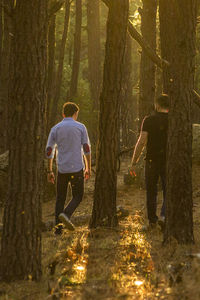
[68,119]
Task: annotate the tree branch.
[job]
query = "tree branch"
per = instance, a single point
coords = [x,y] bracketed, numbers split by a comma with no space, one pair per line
[55,7]
[145,46]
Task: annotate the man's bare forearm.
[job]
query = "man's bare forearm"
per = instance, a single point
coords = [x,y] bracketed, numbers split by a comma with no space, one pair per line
[137,152]
[50,164]
[88,162]
[139,147]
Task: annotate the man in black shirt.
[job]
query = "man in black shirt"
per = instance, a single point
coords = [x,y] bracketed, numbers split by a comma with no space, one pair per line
[153,135]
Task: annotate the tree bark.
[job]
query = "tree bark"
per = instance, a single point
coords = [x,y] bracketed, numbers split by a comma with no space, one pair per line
[94,50]
[77,51]
[4,79]
[104,206]
[147,67]
[127,113]
[21,238]
[59,72]
[177,28]
[51,66]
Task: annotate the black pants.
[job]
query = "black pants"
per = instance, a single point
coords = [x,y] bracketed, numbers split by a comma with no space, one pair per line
[77,184]
[154,170]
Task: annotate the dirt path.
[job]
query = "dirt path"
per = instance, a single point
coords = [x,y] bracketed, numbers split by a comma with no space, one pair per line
[125,263]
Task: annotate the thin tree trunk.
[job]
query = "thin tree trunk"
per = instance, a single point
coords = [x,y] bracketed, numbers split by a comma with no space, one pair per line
[127,113]
[177,28]
[104,207]
[94,50]
[77,51]
[51,66]
[59,72]
[147,67]
[21,238]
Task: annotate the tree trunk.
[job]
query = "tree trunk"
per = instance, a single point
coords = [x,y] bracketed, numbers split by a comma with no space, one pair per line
[104,207]
[51,66]
[1,33]
[77,51]
[147,67]
[21,238]
[59,72]
[127,113]
[4,80]
[94,50]
[177,28]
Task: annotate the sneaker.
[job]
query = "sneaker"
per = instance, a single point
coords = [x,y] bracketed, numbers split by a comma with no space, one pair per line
[66,221]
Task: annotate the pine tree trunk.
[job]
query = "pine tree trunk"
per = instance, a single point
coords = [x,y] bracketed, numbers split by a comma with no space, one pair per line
[178,27]
[147,67]
[4,80]
[94,50]
[127,112]
[51,66]
[77,51]
[104,207]
[21,238]
[59,72]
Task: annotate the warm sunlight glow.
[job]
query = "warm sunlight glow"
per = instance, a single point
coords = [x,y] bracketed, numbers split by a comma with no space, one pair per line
[138,282]
[80,268]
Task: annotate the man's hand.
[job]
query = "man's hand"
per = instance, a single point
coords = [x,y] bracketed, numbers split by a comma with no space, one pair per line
[51,177]
[87,174]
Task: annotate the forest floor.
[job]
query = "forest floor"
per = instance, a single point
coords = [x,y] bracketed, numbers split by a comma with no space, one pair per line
[124,263]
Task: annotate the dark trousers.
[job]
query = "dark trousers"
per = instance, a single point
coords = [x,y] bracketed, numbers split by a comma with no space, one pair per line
[77,184]
[154,170]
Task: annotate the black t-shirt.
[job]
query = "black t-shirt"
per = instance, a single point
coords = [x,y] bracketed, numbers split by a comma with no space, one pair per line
[156,126]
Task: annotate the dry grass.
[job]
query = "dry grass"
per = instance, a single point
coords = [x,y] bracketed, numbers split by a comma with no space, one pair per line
[125,263]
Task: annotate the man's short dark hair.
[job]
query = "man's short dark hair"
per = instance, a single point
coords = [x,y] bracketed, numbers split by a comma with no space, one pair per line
[70,108]
[163,101]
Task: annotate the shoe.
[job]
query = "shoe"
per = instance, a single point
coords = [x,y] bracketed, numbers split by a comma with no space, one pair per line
[66,221]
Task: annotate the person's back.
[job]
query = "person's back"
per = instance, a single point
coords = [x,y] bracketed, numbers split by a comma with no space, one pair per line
[153,135]
[69,137]
[72,141]
[156,126]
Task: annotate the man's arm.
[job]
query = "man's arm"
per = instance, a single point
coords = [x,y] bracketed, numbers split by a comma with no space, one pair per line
[50,174]
[88,166]
[141,143]
[50,150]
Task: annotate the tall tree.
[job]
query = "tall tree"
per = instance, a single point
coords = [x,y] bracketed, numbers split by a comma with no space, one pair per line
[4,73]
[94,50]
[147,67]
[77,50]
[51,65]
[104,207]
[59,71]
[127,113]
[21,238]
[177,28]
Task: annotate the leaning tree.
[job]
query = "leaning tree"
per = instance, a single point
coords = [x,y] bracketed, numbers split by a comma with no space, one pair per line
[104,207]
[21,237]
